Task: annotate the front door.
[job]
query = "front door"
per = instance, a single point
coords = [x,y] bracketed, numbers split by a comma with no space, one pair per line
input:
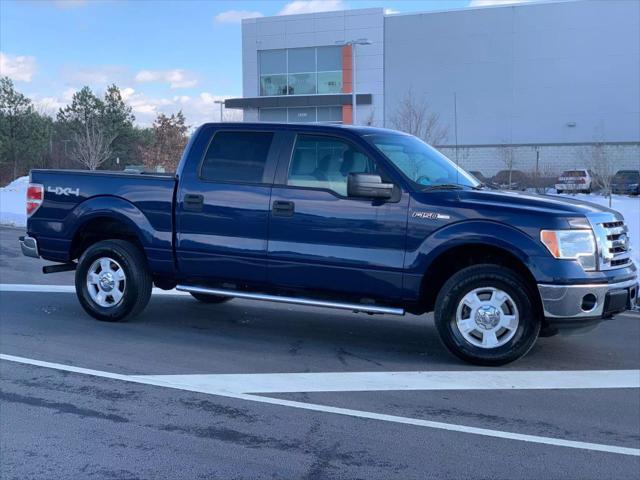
[322,240]
[223,209]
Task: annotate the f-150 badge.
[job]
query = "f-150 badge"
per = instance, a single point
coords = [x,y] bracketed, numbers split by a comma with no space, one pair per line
[430,215]
[64,191]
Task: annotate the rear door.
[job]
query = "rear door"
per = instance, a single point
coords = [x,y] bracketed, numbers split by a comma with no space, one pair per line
[222,210]
[322,240]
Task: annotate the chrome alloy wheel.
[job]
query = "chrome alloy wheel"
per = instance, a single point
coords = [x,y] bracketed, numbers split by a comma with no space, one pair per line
[487,317]
[106,282]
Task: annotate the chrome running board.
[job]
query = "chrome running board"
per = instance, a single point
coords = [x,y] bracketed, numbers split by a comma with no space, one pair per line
[357,307]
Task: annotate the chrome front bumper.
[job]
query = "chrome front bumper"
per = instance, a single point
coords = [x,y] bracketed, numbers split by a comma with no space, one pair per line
[600,300]
[29,246]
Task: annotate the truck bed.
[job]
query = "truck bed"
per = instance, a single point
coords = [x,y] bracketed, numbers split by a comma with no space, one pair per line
[146,199]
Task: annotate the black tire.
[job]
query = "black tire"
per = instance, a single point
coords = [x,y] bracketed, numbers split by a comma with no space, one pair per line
[489,276]
[136,290]
[206,298]
[559,192]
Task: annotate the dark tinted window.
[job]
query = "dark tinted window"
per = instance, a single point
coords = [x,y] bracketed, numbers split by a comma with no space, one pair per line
[237,157]
[627,175]
[574,173]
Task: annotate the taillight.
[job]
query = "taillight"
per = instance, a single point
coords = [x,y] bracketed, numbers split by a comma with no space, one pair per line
[35,196]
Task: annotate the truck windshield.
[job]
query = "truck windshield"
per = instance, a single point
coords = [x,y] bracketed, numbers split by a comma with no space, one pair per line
[423,165]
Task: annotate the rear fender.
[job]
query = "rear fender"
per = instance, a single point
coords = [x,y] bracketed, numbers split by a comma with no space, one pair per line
[114,208]
[157,245]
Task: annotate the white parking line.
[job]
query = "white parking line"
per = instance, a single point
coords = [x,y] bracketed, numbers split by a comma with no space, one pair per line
[393,381]
[168,382]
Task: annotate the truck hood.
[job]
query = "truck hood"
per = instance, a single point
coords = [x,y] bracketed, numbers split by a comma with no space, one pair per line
[508,200]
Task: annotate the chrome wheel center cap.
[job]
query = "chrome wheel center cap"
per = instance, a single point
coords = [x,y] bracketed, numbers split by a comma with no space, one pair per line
[107,283]
[487,317]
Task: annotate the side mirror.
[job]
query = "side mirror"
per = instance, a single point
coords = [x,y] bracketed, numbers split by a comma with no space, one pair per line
[365,185]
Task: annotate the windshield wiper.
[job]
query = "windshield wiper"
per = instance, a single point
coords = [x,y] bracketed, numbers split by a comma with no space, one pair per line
[443,186]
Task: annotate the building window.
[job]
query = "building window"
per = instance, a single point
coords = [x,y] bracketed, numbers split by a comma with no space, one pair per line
[302,84]
[329,82]
[301,115]
[329,114]
[300,71]
[273,115]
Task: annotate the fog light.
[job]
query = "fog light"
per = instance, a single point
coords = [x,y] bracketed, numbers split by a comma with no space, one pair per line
[589,302]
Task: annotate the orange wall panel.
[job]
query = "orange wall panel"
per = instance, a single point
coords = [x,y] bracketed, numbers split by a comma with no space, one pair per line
[347,114]
[347,74]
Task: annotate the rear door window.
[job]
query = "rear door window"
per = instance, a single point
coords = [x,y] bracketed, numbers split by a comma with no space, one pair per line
[237,157]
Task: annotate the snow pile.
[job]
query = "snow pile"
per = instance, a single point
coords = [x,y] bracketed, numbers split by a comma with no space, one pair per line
[12,203]
[629,207]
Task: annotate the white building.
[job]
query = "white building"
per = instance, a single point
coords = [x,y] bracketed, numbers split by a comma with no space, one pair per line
[548,79]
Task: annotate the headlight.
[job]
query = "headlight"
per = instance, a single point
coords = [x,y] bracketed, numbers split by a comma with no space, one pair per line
[577,245]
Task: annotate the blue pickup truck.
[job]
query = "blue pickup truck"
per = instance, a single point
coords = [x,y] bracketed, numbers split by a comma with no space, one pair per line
[357,218]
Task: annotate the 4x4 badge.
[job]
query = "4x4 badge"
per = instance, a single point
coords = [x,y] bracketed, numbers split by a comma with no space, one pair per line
[64,191]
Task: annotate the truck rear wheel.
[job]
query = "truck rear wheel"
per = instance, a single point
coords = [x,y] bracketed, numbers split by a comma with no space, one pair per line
[484,315]
[206,298]
[113,282]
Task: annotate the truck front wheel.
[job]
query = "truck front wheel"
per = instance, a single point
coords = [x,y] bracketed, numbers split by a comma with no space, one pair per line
[113,282]
[484,315]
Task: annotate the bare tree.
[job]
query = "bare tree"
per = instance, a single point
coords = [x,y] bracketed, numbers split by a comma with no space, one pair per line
[414,116]
[602,167]
[371,118]
[464,155]
[543,177]
[92,147]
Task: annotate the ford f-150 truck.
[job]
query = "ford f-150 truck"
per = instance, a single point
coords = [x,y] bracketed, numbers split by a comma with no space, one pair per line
[357,218]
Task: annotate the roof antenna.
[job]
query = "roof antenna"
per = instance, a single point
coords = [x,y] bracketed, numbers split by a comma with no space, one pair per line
[455,129]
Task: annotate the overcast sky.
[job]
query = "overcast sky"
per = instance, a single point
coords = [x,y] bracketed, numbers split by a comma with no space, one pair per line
[164,55]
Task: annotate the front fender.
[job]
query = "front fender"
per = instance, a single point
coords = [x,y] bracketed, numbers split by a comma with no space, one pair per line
[473,232]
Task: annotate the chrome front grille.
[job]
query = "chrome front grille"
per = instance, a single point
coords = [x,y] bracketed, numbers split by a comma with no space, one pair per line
[614,248]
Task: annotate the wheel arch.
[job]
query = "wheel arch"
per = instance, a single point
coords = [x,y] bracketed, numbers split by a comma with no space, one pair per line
[453,259]
[107,217]
[100,227]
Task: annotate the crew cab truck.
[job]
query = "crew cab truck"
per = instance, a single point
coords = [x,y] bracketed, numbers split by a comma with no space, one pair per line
[357,218]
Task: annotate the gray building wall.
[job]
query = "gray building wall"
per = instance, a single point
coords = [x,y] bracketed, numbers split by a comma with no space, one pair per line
[562,73]
[314,30]
[551,159]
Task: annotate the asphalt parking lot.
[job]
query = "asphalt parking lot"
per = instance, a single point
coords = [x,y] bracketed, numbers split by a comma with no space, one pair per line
[189,390]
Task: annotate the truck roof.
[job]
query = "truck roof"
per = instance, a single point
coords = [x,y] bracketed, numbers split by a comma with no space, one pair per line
[322,127]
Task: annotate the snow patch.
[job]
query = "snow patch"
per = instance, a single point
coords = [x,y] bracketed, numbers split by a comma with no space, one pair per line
[629,207]
[13,203]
